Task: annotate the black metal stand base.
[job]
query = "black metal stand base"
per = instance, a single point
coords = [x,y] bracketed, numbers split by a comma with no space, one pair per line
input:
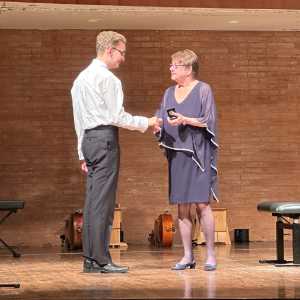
[274,261]
[12,285]
[10,249]
[12,207]
[287,265]
[282,224]
[279,263]
[15,254]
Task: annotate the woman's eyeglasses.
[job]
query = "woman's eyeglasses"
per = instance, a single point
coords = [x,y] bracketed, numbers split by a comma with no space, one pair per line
[175,66]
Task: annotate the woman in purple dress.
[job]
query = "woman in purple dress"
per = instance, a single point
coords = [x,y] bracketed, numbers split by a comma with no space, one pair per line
[188,134]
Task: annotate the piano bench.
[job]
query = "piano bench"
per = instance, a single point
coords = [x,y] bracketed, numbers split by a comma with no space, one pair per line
[287,214]
[10,206]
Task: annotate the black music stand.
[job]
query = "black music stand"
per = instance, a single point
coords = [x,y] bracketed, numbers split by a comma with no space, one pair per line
[11,206]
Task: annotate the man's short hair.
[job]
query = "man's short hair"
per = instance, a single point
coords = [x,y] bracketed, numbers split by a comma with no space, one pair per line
[106,39]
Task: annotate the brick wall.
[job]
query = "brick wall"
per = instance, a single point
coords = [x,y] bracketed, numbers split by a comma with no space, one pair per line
[256,81]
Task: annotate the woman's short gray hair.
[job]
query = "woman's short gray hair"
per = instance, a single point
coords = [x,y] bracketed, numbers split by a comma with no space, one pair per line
[106,39]
[189,58]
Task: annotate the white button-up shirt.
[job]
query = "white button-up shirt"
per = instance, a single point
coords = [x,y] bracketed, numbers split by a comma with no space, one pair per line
[97,99]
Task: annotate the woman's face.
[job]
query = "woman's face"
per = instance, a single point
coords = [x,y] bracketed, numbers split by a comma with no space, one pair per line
[179,70]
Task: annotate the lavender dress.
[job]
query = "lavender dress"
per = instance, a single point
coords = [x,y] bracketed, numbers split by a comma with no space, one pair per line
[191,151]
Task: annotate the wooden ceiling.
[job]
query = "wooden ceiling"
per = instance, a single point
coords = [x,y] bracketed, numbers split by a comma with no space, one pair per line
[225,15]
[246,4]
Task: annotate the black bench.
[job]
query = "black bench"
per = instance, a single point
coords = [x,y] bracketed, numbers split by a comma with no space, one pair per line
[10,206]
[283,211]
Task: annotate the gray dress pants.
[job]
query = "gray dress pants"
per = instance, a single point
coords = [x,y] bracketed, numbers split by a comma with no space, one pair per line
[100,147]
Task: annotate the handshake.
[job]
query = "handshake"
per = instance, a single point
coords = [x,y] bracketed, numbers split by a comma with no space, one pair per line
[155,123]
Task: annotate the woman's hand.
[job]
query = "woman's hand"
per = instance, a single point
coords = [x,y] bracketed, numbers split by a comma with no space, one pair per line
[182,120]
[179,120]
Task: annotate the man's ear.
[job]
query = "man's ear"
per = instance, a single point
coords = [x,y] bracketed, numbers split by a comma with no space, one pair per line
[109,50]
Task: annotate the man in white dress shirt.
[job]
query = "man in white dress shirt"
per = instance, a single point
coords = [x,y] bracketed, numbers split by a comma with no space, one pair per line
[97,99]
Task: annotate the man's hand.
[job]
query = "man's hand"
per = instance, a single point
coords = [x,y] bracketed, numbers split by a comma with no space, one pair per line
[155,123]
[152,121]
[83,166]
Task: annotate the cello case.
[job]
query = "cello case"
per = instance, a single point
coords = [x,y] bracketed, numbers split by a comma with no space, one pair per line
[72,237]
[162,235]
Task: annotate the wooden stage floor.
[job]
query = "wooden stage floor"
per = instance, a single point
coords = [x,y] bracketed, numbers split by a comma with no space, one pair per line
[50,274]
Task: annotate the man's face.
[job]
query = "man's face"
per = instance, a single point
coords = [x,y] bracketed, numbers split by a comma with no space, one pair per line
[117,54]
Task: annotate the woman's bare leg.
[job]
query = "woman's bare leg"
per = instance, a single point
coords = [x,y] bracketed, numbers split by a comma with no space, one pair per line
[185,228]
[207,221]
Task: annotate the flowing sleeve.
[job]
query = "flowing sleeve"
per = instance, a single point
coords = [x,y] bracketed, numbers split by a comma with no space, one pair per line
[160,114]
[208,116]
[160,111]
[209,113]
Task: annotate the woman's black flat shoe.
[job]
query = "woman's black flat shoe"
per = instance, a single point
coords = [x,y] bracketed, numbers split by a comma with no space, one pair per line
[191,265]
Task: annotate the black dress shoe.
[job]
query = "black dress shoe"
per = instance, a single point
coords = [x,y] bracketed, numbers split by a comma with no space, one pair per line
[87,263]
[112,268]
[90,266]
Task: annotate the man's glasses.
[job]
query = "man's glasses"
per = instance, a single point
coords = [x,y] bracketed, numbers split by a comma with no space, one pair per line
[175,66]
[122,52]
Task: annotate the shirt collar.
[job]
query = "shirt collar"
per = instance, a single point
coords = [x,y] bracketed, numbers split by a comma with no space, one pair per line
[99,63]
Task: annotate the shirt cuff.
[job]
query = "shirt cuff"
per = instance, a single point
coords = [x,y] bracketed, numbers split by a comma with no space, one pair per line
[144,124]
